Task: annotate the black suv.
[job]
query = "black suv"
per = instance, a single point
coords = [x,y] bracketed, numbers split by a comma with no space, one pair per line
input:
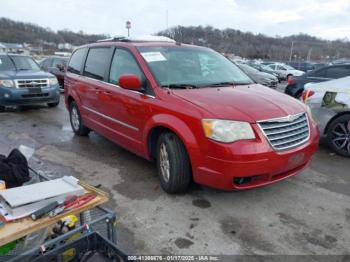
[295,85]
[56,66]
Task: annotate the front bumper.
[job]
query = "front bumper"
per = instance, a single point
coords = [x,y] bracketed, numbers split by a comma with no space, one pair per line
[26,96]
[254,164]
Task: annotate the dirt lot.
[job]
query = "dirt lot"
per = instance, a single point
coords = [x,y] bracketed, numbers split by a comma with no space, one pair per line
[307,214]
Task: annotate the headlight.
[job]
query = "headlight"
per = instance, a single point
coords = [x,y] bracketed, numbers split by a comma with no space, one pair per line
[227,131]
[7,83]
[53,81]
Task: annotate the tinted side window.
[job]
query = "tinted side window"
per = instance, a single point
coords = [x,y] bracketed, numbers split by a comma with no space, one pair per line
[58,61]
[124,63]
[338,72]
[96,62]
[46,63]
[319,73]
[76,61]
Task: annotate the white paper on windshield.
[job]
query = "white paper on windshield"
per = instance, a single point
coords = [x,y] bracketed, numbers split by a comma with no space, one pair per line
[153,56]
[0,62]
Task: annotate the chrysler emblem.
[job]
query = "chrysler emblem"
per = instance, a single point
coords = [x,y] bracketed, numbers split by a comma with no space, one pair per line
[291,118]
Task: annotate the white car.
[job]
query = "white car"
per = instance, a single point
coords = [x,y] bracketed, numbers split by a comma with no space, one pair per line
[284,70]
[330,106]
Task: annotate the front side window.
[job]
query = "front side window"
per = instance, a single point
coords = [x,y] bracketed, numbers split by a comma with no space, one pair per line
[97,62]
[124,63]
[46,63]
[319,73]
[76,61]
[191,66]
[338,72]
[59,61]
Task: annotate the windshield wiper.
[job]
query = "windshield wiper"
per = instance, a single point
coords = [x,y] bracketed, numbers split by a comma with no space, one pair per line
[222,84]
[181,86]
[23,69]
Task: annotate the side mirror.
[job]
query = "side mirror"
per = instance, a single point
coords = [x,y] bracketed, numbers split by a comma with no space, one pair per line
[132,82]
[60,67]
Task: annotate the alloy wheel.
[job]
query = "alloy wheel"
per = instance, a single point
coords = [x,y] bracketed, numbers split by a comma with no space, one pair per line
[341,136]
[75,118]
[164,162]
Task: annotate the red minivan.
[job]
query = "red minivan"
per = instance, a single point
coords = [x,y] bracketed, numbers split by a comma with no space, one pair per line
[189,109]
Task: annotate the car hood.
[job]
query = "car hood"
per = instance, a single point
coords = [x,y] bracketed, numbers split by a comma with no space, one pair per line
[32,74]
[297,72]
[242,103]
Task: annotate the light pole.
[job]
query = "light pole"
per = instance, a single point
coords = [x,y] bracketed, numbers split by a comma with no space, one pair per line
[291,51]
[128,26]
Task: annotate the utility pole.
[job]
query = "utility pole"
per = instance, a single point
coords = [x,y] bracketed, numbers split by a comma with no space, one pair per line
[166,20]
[309,54]
[128,26]
[291,51]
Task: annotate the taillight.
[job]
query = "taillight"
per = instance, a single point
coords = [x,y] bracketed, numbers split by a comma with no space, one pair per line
[306,94]
[291,80]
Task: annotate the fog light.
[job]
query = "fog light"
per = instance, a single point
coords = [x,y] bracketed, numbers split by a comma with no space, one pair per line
[6,95]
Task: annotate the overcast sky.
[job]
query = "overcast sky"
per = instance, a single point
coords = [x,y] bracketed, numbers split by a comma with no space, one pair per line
[329,19]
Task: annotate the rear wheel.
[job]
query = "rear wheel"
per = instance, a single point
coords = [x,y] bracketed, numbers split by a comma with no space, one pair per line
[76,121]
[173,164]
[338,135]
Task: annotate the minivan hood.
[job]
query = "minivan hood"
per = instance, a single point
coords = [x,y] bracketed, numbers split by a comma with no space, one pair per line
[31,74]
[242,103]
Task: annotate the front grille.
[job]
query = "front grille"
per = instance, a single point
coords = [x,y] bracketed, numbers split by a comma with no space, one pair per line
[32,83]
[287,132]
[35,95]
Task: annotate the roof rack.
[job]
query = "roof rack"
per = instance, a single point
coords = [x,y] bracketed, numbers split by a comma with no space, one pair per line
[118,38]
[147,38]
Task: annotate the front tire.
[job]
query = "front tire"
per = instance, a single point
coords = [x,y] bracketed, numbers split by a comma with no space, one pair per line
[174,169]
[338,135]
[76,121]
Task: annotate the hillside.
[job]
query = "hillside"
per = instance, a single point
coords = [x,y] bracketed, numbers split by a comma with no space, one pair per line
[240,43]
[19,32]
[249,45]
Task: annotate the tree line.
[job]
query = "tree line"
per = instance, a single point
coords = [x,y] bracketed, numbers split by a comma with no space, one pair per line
[19,32]
[245,44]
[259,46]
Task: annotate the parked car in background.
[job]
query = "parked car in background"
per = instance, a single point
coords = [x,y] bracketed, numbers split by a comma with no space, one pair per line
[296,85]
[56,66]
[264,68]
[258,76]
[301,65]
[191,110]
[23,83]
[330,106]
[267,62]
[285,70]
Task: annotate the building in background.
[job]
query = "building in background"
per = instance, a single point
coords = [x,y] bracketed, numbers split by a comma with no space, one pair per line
[12,48]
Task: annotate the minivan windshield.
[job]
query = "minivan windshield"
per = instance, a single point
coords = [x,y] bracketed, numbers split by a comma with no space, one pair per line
[193,67]
[17,63]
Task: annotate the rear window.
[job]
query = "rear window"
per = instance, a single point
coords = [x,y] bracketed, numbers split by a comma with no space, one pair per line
[97,62]
[76,61]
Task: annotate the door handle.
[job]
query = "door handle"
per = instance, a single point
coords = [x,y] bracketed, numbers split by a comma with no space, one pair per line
[107,92]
